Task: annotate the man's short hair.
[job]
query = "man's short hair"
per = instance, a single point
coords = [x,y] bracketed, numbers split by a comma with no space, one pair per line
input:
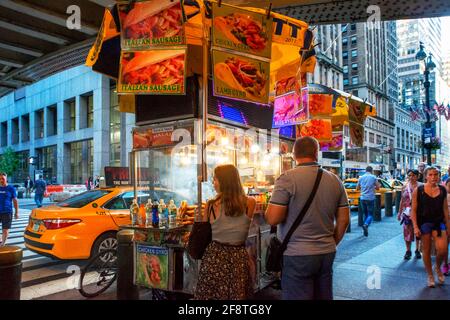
[306,147]
[3,174]
[369,169]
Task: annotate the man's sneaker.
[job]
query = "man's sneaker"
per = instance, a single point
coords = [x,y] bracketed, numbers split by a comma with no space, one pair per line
[418,255]
[407,255]
[365,230]
[445,269]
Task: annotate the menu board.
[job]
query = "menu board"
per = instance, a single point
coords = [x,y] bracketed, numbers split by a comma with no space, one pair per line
[320,104]
[316,128]
[151,266]
[356,111]
[242,30]
[356,134]
[336,143]
[152,23]
[153,72]
[289,110]
[286,85]
[240,77]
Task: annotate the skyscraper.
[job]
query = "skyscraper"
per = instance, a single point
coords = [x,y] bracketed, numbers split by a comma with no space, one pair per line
[369,63]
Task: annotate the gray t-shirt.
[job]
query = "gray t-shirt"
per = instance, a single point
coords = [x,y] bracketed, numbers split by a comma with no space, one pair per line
[315,234]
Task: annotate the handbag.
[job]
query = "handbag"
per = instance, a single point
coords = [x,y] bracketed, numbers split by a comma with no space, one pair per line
[200,237]
[276,248]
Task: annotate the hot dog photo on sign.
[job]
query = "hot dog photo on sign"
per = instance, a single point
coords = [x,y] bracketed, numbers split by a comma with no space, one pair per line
[151,23]
[156,71]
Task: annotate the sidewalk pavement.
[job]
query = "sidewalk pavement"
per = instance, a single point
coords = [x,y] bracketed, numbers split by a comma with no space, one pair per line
[366,268]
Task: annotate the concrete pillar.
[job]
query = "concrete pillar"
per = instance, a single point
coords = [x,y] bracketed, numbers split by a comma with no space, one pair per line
[9,134]
[45,121]
[128,121]
[101,126]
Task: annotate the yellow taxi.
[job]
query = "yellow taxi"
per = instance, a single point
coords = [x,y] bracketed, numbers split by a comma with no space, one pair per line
[353,194]
[85,224]
[396,184]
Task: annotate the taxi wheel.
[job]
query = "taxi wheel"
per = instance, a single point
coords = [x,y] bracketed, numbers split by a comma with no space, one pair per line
[104,242]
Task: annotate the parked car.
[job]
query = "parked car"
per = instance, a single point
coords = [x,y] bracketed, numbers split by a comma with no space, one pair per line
[85,224]
[353,194]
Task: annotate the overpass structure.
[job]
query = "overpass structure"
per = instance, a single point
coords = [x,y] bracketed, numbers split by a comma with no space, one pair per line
[35,40]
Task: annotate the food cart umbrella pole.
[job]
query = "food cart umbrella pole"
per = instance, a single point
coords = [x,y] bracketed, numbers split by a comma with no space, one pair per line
[203,168]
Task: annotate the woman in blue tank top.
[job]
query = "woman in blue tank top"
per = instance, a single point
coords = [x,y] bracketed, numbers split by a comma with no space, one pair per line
[429,215]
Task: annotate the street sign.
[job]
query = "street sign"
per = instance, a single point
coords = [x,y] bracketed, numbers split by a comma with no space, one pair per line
[428,134]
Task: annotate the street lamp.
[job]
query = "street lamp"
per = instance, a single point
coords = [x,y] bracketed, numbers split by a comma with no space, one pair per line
[429,66]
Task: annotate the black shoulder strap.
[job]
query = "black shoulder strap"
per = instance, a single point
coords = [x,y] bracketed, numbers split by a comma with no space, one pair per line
[303,212]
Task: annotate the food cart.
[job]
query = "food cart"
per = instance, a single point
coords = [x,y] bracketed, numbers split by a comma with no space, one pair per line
[201,77]
[166,166]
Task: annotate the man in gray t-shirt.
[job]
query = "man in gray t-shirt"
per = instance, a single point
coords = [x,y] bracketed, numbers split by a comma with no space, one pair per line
[309,257]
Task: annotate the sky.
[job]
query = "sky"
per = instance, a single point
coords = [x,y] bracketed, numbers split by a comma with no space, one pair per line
[446,34]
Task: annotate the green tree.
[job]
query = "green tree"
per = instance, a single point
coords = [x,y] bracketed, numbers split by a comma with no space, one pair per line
[9,161]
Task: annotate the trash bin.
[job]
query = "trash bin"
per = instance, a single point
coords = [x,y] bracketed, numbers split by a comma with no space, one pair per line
[377,209]
[10,272]
[126,290]
[388,204]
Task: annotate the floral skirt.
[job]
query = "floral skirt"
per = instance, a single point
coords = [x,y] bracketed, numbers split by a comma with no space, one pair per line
[408,229]
[224,273]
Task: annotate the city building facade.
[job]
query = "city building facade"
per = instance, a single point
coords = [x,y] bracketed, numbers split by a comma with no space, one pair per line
[370,72]
[70,122]
[329,72]
[411,75]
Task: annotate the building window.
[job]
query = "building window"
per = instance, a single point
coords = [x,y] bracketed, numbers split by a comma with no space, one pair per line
[353,26]
[90,111]
[69,115]
[345,82]
[371,137]
[354,40]
[15,131]
[354,53]
[344,41]
[345,54]
[52,121]
[345,69]
[47,163]
[115,123]
[354,66]
[76,176]
[355,80]
[39,124]
[25,128]
[378,139]
[4,134]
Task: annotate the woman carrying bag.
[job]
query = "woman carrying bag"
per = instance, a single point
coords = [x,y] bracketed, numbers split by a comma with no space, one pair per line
[224,270]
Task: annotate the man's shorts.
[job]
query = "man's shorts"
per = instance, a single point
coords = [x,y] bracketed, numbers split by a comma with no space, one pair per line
[427,228]
[6,220]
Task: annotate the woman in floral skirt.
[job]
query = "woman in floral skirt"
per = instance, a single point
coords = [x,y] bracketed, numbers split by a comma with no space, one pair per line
[404,214]
[224,270]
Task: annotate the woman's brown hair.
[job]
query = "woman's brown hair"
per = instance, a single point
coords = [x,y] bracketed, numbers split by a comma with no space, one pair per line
[232,194]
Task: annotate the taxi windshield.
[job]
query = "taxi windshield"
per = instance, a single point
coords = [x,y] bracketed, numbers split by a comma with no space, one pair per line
[83,199]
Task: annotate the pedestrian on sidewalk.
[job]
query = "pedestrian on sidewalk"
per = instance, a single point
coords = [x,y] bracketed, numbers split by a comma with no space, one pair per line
[446,266]
[367,183]
[307,272]
[7,199]
[404,214]
[446,176]
[39,190]
[28,187]
[225,270]
[421,168]
[430,219]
